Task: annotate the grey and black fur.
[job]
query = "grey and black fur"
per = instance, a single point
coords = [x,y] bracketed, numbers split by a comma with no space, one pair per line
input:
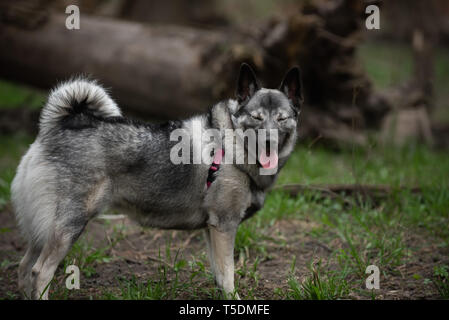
[87,157]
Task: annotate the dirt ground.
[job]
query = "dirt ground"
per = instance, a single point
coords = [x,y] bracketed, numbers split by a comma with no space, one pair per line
[139,251]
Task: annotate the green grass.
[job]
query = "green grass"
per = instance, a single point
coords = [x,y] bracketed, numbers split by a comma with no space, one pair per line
[441,280]
[19,96]
[320,285]
[161,287]
[11,150]
[359,237]
[167,283]
[412,165]
[86,256]
[366,233]
[362,234]
[158,289]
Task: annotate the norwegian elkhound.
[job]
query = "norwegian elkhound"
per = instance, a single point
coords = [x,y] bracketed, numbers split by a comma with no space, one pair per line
[88,157]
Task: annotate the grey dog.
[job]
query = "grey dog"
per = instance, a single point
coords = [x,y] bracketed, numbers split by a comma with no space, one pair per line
[87,157]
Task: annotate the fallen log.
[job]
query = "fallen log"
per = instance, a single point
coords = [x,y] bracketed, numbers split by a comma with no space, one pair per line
[152,70]
[343,191]
[173,72]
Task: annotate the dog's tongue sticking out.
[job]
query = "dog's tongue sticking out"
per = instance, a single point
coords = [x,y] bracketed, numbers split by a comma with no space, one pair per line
[268,161]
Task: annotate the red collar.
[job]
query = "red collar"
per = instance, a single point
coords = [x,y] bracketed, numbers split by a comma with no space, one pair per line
[213,169]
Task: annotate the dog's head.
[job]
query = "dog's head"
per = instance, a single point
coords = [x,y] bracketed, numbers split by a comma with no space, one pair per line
[275,110]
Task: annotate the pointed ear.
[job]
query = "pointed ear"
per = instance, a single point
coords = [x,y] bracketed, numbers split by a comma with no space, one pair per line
[247,83]
[291,86]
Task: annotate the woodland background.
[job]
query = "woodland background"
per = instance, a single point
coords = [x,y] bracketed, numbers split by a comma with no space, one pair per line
[367,184]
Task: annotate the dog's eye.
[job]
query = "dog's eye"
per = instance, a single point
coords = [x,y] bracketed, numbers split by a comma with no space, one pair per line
[257,117]
[282,118]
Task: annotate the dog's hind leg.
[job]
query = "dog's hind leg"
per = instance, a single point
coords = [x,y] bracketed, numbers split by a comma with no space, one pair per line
[55,249]
[71,217]
[25,266]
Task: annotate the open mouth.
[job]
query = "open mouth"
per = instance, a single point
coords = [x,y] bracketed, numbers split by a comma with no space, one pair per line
[268,158]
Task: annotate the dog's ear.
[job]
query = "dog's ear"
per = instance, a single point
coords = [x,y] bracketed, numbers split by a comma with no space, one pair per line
[247,83]
[291,86]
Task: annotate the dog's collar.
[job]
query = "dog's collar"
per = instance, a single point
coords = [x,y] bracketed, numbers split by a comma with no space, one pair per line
[214,167]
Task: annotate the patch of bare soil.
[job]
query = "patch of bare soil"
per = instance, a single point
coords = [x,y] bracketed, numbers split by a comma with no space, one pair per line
[137,252]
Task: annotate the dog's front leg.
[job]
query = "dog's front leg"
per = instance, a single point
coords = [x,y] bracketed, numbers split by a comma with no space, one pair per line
[210,253]
[222,258]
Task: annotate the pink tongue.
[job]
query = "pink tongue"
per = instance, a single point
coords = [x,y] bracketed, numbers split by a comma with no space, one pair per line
[268,162]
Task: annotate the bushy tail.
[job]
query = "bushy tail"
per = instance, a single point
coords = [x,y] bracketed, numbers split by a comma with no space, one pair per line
[76,96]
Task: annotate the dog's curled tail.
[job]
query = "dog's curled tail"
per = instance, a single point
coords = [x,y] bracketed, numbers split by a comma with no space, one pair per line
[76,96]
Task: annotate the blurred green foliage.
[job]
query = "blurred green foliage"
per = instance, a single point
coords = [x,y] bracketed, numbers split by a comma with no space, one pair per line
[19,96]
[391,64]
